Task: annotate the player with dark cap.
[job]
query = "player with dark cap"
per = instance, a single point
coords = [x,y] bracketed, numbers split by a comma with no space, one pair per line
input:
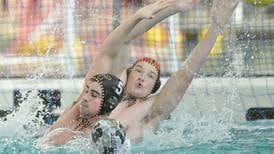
[142,107]
[100,96]
[139,109]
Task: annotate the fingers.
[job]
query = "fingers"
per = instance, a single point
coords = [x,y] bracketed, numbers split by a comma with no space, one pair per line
[160,5]
[150,10]
[164,3]
[194,2]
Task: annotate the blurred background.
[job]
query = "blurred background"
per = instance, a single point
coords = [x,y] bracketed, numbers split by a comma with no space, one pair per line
[55,41]
[65,35]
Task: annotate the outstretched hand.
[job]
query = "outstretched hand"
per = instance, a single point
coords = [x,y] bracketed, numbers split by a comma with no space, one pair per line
[185,5]
[221,11]
[149,11]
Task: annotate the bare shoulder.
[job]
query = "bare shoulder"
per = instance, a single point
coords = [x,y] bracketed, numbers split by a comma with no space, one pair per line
[149,100]
[67,119]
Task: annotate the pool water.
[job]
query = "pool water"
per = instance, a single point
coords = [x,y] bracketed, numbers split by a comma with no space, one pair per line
[186,137]
[213,132]
[255,137]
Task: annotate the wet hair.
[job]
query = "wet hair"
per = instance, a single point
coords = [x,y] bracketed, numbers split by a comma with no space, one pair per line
[112,91]
[154,63]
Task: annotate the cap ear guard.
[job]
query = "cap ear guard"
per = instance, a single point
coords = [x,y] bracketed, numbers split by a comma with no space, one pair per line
[157,85]
[112,91]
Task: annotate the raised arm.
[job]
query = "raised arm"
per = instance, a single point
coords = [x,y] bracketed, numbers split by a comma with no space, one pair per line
[114,42]
[173,91]
[144,25]
[176,6]
[59,134]
[66,117]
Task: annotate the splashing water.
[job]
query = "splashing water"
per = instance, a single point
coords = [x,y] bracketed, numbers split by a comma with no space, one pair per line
[211,131]
[18,122]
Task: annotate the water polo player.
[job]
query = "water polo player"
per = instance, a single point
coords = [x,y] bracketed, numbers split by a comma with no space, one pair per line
[100,96]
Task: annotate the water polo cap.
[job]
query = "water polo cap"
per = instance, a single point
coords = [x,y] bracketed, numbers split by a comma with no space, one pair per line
[154,63]
[112,91]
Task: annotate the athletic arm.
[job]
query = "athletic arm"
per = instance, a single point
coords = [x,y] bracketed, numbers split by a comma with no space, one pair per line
[177,6]
[66,118]
[113,44]
[57,137]
[175,88]
[144,25]
[59,133]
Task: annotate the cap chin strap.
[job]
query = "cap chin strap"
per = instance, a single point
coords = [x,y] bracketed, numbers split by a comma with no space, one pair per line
[131,100]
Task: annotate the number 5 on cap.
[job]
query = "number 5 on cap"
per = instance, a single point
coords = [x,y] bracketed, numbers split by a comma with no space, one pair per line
[119,90]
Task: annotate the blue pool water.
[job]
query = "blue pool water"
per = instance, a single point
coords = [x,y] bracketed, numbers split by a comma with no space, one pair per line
[186,137]
[214,132]
[253,137]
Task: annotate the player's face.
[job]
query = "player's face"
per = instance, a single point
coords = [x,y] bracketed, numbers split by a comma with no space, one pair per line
[141,80]
[90,102]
